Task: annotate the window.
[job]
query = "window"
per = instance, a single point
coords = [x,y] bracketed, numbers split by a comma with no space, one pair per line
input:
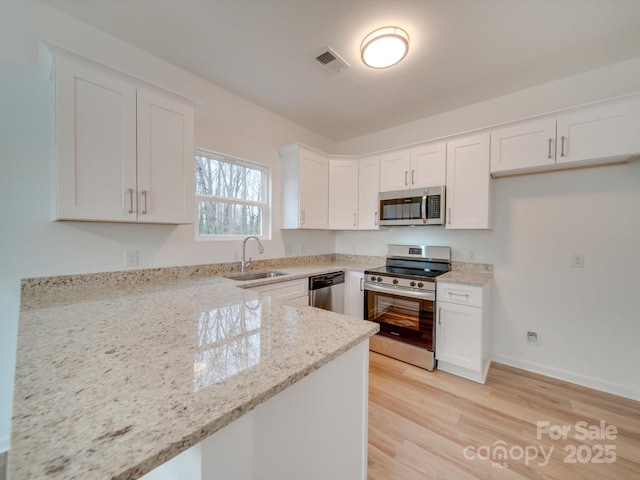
[232,196]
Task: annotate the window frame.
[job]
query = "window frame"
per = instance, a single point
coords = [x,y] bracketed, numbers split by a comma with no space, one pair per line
[265,205]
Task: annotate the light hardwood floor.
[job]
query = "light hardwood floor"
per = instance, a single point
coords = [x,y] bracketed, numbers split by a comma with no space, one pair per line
[433,425]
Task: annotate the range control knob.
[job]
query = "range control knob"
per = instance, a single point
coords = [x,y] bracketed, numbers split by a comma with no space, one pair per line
[420,285]
[412,284]
[395,281]
[373,278]
[379,279]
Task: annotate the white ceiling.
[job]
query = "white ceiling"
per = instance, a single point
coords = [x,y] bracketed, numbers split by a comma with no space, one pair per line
[461,51]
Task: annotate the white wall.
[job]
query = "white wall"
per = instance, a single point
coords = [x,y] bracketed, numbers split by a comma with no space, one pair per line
[32,245]
[587,319]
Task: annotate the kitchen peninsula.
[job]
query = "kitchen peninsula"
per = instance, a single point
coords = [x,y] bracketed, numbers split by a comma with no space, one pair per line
[114,380]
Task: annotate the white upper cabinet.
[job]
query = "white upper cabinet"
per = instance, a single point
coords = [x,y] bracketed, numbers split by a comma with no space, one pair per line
[595,134]
[429,165]
[420,166]
[305,187]
[602,133]
[368,188]
[523,146]
[165,159]
[394,170]
[468,189]
[343,193]
[123,150]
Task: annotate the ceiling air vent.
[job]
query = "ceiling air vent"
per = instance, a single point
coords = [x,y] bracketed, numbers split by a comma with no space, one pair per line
[330,60]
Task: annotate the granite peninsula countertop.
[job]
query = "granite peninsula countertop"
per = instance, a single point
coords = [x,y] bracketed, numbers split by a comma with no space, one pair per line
[111,382]
[118,372]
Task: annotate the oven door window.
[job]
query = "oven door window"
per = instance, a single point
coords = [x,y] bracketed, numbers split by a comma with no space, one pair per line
[403,318]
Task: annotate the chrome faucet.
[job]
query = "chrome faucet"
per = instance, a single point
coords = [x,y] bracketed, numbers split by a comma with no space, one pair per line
[246,263]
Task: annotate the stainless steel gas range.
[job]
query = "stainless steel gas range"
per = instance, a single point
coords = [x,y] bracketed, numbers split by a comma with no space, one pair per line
[401,297]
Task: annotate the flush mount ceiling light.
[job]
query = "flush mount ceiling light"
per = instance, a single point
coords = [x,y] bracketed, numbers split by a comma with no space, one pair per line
[384,47]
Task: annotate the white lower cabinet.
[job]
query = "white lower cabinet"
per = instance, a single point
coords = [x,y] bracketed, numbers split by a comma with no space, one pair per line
[295,292]
[354,299]
[462,330]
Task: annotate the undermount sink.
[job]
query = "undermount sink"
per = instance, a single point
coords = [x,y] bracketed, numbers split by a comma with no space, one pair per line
[254,275]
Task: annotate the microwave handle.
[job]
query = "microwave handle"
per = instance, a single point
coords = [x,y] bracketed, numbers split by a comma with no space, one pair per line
[424,206]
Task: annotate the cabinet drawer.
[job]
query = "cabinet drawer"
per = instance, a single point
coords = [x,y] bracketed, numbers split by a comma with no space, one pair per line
[460,294]
[289,289]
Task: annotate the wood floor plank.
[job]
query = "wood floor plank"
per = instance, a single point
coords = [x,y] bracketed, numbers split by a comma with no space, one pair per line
[435,425]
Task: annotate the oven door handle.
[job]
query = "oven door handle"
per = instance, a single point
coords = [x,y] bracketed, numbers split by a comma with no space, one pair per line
[424,206]
[391,290]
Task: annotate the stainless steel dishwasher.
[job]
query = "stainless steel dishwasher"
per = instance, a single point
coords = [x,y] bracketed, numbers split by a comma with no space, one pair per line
[327,291]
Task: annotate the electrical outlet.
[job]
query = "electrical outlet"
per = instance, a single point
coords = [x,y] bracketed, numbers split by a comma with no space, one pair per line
[533,338]
[577,260]
[471,254]
[130,258]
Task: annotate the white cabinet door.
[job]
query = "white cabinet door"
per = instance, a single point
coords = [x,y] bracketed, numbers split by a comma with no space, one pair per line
[459,335]
[592,135]
[368,188]
[314,190]
[428,165]
[165,159]
[421,166]
[394,170]
[343,193]
[95,145]
[354,298]
[598,132]
[123,153]
[468,182]
[295,292]
[305,188]
[524,147]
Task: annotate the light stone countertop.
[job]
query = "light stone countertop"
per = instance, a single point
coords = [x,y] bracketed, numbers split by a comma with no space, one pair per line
[115,381]
[118,372]
[476,274]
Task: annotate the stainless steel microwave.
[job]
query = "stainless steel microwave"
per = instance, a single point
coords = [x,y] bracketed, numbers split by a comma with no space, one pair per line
[418,206]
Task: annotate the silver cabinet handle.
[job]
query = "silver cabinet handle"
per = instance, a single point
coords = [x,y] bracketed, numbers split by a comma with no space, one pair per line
[362,284]
[562,146]
[130,190]
[375,218]
[302,217]
[449,216]
[355,221]
[549,156]
[144,194]
[440,316]
[458,294]
[406,175]
[413,177]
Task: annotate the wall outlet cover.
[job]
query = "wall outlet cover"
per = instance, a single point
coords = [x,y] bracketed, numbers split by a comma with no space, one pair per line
[532,338]
[577,260]
[130,258]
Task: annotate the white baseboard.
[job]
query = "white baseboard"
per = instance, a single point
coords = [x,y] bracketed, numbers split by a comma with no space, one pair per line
[4,443]
[585,381]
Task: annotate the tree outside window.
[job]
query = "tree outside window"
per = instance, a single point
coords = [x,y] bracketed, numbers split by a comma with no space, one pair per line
[231,195]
